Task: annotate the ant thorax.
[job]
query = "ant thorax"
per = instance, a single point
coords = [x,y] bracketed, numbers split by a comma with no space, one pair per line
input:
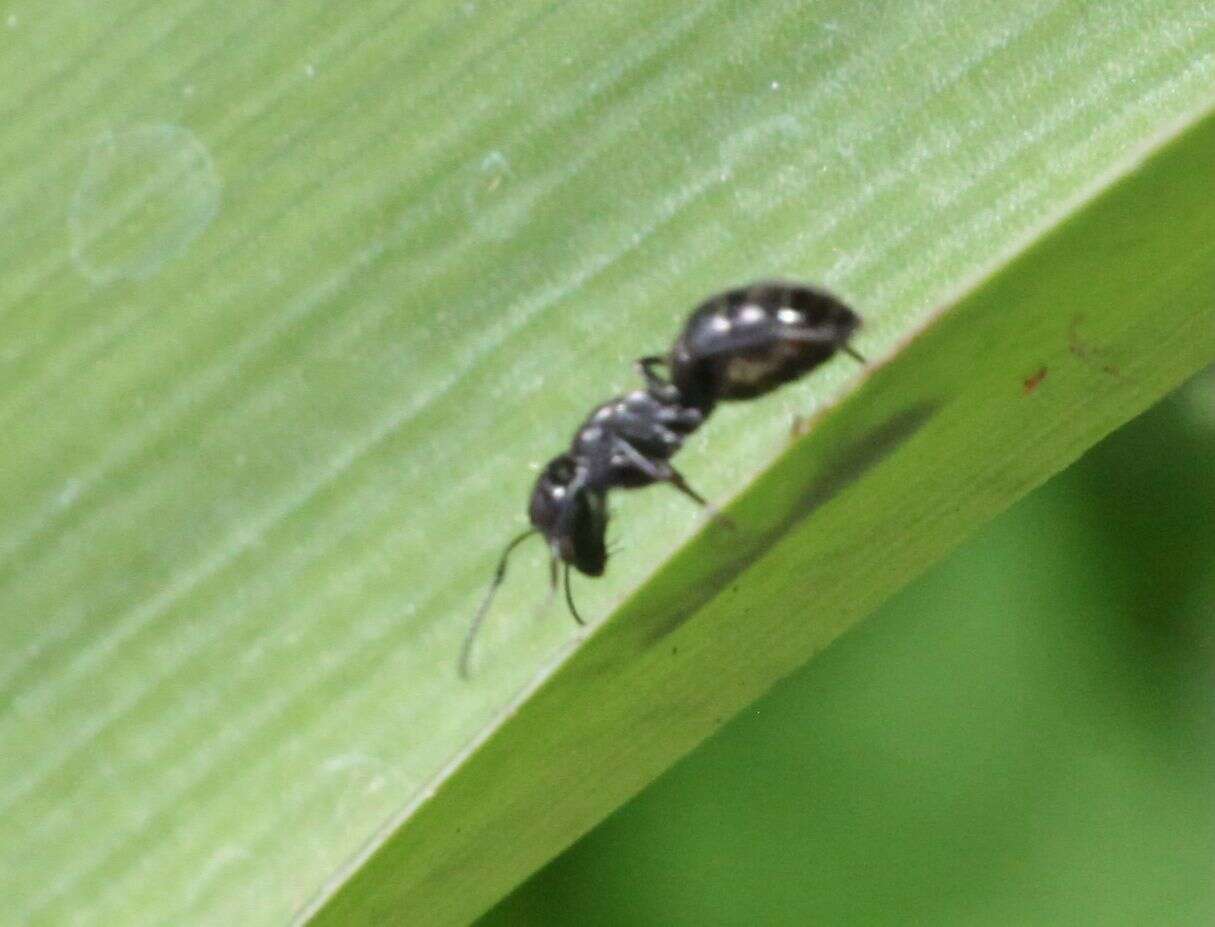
[625,441]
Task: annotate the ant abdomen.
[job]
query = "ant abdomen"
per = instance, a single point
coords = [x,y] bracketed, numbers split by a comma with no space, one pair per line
[746,342]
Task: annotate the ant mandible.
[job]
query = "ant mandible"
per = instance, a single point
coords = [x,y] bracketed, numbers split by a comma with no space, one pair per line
[739,344]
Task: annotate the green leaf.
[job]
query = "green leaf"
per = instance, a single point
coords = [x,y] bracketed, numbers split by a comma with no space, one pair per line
[294,295]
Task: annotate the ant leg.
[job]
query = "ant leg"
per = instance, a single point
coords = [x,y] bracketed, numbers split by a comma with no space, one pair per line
[657,429]
[645,366]
[656,470]
[659,386]
[681,417]
[483,609]
[569,597]
[662,472]
[675,478]
[809,335]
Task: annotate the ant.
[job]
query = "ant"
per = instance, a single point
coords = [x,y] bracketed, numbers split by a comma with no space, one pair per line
[738,344]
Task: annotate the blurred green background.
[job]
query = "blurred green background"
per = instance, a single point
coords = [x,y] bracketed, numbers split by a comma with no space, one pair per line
[1023,736]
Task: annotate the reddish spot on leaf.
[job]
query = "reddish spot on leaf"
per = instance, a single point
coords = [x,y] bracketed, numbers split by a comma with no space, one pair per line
[1032,381]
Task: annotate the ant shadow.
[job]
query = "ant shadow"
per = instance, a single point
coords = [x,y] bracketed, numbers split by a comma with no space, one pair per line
[844,467]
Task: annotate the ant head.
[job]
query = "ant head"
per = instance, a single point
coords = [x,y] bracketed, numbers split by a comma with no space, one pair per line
[571,516]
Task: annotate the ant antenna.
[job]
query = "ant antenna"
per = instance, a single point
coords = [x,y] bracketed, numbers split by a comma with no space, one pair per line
[853,352]
[569,597]
[479,617]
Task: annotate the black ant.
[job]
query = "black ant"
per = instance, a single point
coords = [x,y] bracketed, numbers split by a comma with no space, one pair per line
[739,344]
